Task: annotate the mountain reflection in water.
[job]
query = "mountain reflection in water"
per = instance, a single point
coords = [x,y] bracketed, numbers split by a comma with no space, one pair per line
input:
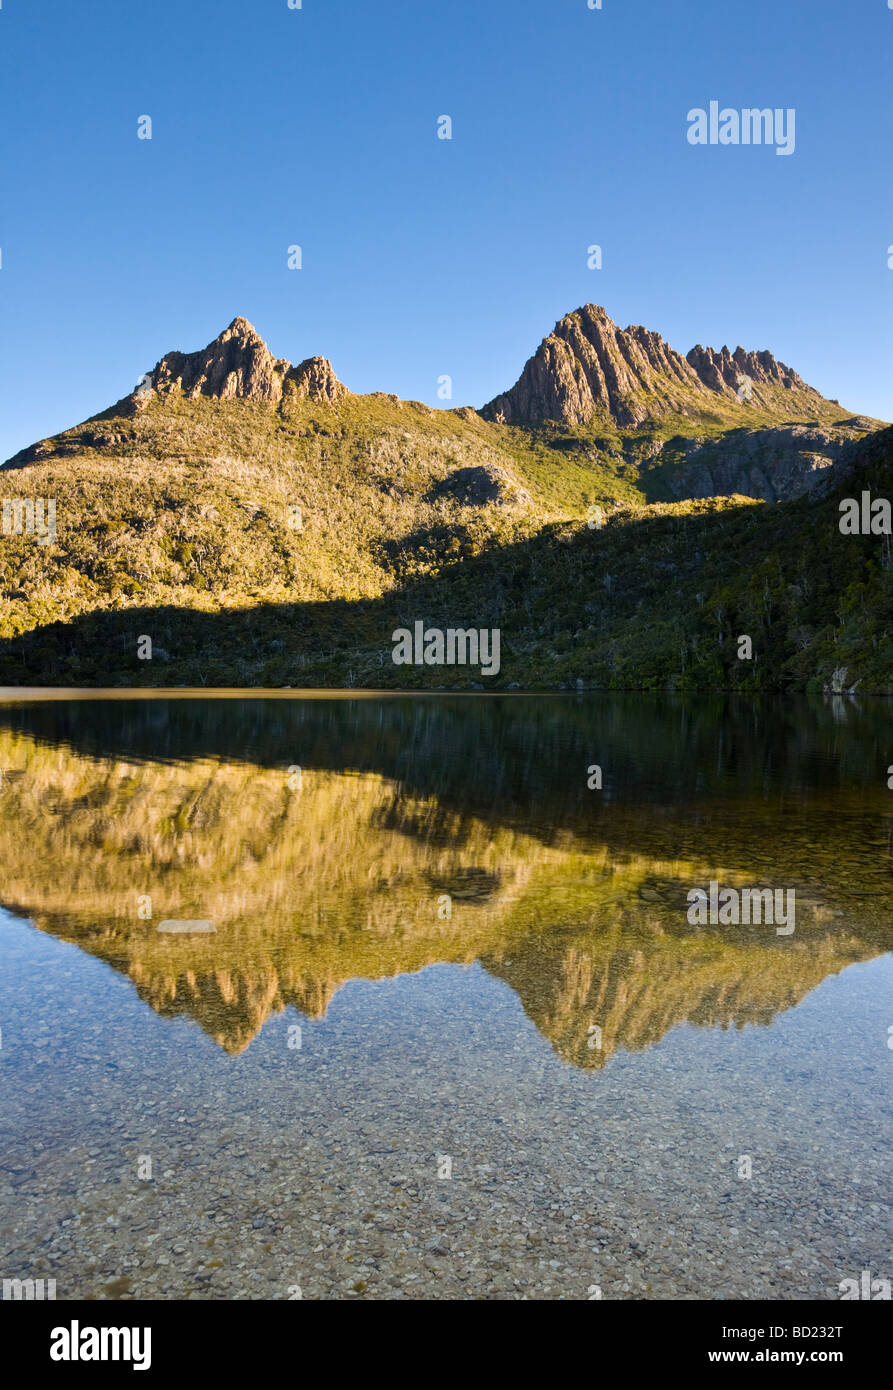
[424,830]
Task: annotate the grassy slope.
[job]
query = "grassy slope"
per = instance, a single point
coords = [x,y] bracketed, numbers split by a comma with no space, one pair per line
[175,523]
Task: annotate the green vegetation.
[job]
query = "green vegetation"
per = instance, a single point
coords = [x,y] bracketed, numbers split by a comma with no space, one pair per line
[176,522]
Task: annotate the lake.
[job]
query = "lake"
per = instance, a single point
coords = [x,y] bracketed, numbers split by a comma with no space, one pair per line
[322,996]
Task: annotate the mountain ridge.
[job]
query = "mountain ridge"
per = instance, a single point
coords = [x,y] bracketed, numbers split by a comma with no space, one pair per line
[588,366]
[585,372]
[271,527]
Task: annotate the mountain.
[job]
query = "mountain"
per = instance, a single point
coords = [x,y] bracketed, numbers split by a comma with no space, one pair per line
[271,527]
[588,369]
[239,363]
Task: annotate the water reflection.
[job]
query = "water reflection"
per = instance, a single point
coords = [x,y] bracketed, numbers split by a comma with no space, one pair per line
[322,840]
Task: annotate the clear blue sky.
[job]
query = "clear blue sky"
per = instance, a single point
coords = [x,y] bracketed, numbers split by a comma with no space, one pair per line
[317,126]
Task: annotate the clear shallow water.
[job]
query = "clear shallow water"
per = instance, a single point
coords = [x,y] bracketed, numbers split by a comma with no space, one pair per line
[433,1044]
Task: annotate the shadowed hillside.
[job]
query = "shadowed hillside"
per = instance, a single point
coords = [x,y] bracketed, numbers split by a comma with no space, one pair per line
[656,599]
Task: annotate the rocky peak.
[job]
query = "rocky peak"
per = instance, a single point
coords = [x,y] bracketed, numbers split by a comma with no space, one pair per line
[587,367]
[315,378]
[238,364]
[718,370]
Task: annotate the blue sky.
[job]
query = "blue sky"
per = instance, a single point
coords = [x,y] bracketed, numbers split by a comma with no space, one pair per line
[421,256]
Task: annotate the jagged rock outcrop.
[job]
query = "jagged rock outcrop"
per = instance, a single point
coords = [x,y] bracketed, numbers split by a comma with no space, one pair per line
[588,367]
[239,364]
[315,379]
[723,370]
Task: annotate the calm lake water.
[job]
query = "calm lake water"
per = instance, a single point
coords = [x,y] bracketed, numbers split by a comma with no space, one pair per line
[399,997]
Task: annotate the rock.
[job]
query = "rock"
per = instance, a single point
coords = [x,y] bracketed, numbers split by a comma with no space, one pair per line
[479,486]
[239,364]
[723,370]
[588,366]
[772,464]
[315,378]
